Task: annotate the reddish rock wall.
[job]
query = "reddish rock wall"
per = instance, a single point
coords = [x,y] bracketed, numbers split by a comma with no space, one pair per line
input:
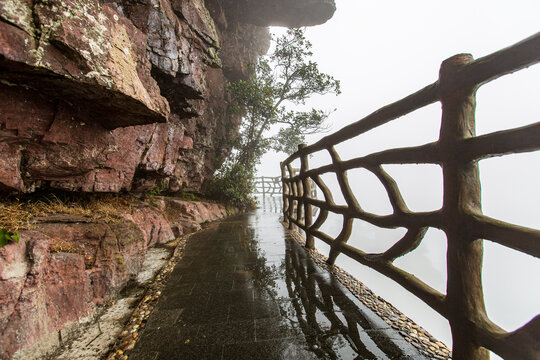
[83,86]
[289,13]
[110,96]
[60,270]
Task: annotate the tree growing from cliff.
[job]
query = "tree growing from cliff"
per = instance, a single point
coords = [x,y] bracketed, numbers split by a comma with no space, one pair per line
[282,80]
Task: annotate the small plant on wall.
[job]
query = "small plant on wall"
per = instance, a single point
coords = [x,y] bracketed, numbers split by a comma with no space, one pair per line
[8,236]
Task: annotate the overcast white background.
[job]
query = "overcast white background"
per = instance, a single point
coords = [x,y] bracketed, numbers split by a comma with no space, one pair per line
[384,50]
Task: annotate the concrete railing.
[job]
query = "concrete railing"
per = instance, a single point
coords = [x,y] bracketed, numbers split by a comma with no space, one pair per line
[457,151]
[271,185]
[268,185]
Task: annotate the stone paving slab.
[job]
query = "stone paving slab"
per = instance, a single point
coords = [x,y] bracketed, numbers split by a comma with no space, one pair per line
[245,289]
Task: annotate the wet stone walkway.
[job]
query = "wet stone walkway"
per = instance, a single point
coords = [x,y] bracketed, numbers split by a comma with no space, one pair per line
[245,289]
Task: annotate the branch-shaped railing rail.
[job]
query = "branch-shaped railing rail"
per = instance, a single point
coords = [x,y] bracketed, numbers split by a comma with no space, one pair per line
[267,185]
[457,151]
[271,185]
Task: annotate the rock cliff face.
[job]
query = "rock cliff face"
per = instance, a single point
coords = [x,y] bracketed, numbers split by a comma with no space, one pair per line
[104,96]
[110,96]
[67,265]
[288,13]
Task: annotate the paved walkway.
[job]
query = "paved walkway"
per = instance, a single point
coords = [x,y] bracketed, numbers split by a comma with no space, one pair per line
[247,290]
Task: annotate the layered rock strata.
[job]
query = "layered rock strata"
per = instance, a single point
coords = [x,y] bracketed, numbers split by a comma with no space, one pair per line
[113,96]
[67,265]
[105,96]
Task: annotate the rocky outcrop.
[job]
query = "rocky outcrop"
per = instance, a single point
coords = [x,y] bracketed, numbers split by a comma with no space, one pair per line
[84,53]
[287,13]
[105,96]
[67,264]
[111,96]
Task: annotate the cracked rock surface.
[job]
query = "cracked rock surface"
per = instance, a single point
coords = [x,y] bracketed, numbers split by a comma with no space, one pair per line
[126,95]
[68,268]
[113,96]
[94,80]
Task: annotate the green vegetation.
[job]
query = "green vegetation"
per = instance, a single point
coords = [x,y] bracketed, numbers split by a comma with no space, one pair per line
[8,236]
[233,184]
[158,189]
[188,196]
[285,77]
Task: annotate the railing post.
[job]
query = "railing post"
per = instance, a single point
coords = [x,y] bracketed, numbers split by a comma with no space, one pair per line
[300,202]
[293,191]
[284,192]
[465,299]
[308,212]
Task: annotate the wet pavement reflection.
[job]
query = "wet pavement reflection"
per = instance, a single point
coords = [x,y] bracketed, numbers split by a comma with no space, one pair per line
[272,204]
[246,290]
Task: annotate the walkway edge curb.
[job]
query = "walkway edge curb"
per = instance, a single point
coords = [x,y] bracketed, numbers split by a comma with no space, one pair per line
[136,323]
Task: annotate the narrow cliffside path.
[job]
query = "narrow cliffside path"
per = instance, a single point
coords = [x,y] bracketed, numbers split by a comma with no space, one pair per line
[246,289]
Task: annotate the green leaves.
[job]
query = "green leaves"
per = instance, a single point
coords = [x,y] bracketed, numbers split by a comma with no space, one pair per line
[7,236]
[233,184]
[287,77]
[266,101]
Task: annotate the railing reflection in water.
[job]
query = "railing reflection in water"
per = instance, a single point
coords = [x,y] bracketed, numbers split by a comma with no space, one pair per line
[335,325]
[457,151]
[271,204]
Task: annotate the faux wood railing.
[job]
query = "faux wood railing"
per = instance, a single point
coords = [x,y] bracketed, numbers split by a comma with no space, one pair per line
[457,151]
[271,185]
[267,185]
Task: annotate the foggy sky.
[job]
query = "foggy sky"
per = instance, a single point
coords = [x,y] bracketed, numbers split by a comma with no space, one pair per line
[383,51]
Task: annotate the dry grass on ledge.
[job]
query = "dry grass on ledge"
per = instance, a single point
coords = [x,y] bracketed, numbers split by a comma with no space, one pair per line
[19,214]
